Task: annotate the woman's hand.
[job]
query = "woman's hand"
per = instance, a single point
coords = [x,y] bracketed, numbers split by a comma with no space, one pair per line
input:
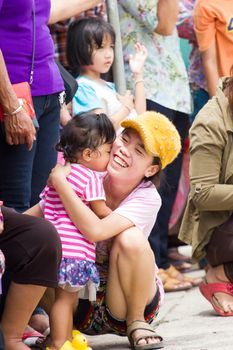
[58,173]
[136,61]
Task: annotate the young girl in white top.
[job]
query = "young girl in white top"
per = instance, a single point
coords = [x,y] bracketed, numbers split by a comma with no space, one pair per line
[86,142]
[90,52]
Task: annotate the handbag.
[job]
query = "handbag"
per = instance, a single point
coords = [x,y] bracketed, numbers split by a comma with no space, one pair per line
[70,83]
[23,90]
[23,93]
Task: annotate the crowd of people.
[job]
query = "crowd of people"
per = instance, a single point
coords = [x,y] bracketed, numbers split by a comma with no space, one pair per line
[77,237]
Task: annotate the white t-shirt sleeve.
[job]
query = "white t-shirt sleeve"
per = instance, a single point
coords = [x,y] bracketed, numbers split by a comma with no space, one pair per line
[141,207]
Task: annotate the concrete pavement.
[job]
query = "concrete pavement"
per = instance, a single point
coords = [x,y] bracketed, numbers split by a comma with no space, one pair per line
[186,321]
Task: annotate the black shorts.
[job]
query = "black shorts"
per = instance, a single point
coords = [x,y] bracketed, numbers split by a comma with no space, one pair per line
[95,318]
[32,249]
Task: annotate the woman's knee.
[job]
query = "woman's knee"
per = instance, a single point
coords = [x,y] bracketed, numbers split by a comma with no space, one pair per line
[132,242]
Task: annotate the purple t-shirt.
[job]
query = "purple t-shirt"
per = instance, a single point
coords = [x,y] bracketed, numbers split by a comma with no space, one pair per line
[16,40]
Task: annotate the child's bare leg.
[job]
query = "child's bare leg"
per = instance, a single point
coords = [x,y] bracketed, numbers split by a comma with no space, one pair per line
[61,318]
[20,303]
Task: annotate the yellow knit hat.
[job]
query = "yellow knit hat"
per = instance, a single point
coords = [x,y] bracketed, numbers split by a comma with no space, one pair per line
[159,135]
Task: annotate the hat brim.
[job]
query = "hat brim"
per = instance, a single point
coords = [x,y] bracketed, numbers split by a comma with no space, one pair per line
[144,133]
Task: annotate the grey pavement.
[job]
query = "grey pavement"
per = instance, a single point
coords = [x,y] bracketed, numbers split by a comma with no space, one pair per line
[186,321]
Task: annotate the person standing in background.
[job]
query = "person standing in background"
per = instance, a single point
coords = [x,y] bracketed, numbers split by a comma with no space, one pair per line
[213,24]
[153,22]
[196,74]
[26,157]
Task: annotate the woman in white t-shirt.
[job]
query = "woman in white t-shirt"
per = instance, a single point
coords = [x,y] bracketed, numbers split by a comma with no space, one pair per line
[130,292]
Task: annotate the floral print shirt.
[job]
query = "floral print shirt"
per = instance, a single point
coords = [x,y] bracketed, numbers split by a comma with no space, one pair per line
[186,31]
[165,76]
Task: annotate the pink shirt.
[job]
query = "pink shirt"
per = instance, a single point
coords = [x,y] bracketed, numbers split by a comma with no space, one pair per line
[87,185]
[141,208]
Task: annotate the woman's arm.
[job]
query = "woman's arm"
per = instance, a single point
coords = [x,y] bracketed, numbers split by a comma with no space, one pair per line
[61,10]
[35,211]
[208,142]
[93,228]
[167,13]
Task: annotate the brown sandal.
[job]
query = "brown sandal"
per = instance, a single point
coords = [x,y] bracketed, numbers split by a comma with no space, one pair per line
[174,273]
[136,325]
[171,284]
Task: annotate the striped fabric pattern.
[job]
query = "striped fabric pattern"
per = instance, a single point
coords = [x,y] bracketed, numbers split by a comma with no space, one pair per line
[87,185]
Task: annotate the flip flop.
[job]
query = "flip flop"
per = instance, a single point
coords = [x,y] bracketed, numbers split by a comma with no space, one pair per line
[209,289]
[136,325]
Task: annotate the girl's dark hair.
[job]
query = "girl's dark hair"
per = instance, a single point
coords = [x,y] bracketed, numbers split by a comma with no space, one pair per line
[86,130]
[83,36]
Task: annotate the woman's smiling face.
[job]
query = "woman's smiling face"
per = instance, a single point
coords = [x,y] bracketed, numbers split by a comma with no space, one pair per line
[129,159]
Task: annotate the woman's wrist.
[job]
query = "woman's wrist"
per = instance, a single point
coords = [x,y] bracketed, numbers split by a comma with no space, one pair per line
[15,110]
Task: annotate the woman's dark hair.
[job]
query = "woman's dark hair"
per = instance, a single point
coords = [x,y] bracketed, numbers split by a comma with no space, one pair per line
[229,87]
[156,178]
[86,130]
[83,36]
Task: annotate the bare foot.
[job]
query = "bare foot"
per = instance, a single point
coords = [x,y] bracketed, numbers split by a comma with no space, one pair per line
[222,300]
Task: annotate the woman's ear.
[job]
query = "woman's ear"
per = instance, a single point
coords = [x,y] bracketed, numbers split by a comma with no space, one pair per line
[86,154]
[152,170]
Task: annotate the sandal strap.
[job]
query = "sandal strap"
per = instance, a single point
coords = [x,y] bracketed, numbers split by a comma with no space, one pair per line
[141,325]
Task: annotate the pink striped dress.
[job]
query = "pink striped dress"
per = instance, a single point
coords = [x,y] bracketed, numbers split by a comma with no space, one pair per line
[77,268]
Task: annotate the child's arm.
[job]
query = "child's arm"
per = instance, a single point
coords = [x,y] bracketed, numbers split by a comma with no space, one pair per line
[35,211]
[127,102]
[136,63]
[100,208]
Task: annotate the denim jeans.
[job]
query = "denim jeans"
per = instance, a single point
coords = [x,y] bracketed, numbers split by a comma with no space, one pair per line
[23,173]
[168,188]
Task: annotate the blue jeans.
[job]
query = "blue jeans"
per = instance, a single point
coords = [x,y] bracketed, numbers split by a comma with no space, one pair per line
[169,185]
[23,173]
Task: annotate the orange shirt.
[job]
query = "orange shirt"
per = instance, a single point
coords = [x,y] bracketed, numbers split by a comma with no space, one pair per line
[213,22]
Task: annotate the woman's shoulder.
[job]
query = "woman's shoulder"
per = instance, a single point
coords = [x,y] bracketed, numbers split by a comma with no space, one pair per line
[147,191]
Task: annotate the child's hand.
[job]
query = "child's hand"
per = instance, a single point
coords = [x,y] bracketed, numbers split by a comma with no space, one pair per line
[127,100]
[136,62]
[1,218]
[58,173]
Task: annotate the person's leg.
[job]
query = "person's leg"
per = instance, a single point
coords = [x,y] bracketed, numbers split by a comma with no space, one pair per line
[15,173]
[48,112]
[32,251]
[20,303]
[61,327]
[220,257]
[132,279]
